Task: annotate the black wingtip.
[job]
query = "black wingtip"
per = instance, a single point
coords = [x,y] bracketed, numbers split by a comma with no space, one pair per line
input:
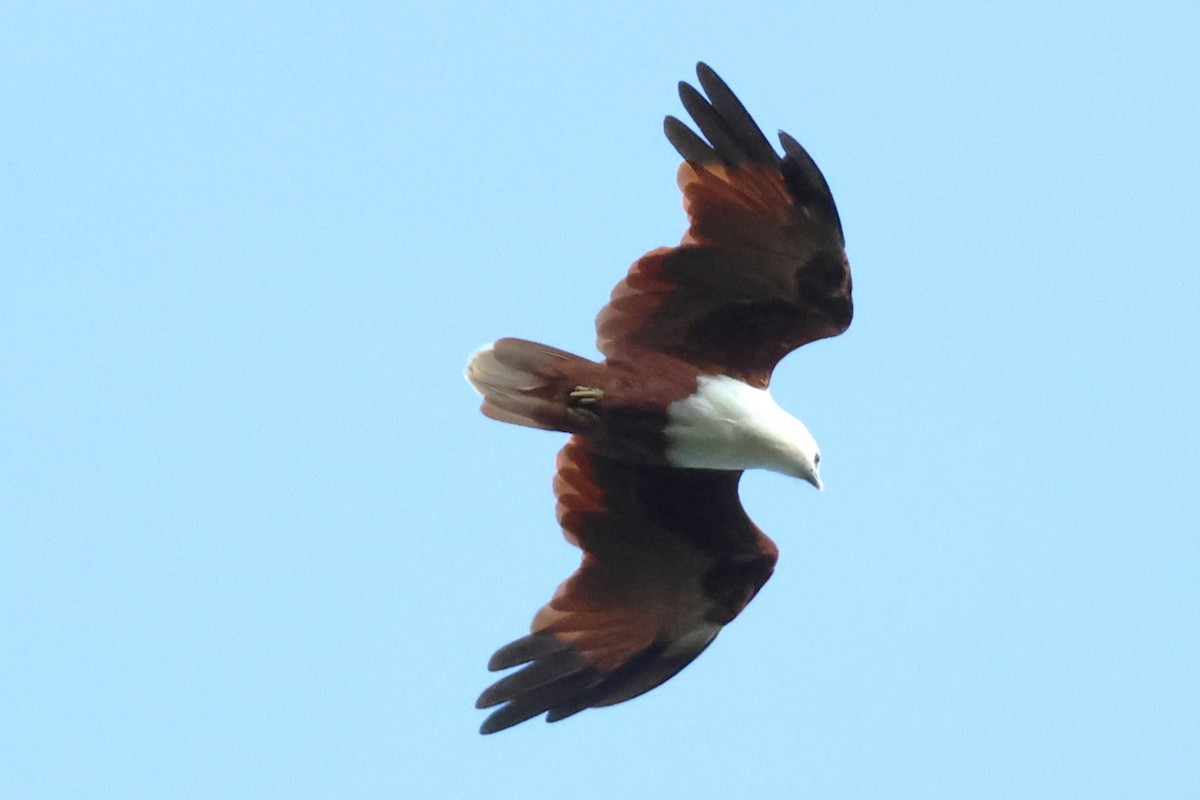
[791,146]
[527,648]
[728,132]
[709,79]
[690,94]
[491,726]
[691,147]
[806,182]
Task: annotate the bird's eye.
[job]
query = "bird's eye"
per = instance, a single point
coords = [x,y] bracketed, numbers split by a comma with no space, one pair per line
[817,460]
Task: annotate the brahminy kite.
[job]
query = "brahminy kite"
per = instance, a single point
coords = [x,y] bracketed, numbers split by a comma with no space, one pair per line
[662,428]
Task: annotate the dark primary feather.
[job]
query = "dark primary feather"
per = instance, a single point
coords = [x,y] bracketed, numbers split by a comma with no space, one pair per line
[724,140]
[806,183]
[523,650]
[564,683]
[736,117]
[693,149]
[554,678]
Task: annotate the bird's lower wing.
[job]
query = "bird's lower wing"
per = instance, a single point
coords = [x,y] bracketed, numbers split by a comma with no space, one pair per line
[669,558]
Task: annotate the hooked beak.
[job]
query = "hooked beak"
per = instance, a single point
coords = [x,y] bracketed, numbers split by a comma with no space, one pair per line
[815,480]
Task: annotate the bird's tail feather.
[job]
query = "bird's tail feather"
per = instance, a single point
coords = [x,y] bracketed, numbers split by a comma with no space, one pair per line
[529,384]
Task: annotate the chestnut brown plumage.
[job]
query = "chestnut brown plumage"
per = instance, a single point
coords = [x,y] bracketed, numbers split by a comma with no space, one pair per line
[663,426]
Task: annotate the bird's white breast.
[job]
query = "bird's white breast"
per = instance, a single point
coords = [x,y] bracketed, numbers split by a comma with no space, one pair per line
[728,424]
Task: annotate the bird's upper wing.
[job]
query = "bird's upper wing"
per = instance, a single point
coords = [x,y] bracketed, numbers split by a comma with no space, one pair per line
[762,268]
[669,557]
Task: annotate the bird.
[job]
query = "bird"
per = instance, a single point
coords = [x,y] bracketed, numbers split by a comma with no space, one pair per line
[663,427]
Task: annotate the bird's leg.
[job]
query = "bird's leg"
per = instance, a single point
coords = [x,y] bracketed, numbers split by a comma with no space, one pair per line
[586,395]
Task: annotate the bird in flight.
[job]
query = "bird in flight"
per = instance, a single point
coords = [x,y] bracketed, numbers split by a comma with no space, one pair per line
[663,427]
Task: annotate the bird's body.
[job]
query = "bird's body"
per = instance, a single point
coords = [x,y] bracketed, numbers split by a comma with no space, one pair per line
[656,410]
[663,427]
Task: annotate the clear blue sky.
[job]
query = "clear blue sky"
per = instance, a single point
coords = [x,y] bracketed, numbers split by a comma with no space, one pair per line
[256,541]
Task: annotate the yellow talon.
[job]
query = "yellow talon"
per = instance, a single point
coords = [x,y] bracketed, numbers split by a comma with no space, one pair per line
[586,395]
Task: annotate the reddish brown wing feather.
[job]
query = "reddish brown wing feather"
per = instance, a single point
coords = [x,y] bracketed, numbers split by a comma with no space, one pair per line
[762,268]
[669,556]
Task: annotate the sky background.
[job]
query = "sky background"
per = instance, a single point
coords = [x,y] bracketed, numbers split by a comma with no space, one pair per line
[257,541]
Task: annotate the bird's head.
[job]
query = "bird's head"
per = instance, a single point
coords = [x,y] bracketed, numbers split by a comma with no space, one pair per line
[804,457]
[813,473]
[795,451]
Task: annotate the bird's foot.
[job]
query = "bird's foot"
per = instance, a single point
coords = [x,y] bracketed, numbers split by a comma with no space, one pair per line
[586,395]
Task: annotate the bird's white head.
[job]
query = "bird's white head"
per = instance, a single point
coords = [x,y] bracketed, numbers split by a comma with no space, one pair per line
[802,455]
[727,424]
